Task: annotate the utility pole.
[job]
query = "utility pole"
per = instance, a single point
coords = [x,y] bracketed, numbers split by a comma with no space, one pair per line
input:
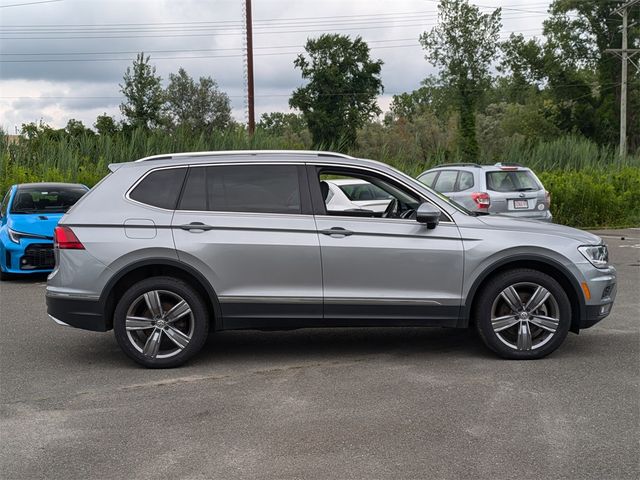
[625,54]
[250,96]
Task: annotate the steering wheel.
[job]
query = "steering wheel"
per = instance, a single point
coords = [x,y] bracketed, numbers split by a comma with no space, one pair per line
[392,209]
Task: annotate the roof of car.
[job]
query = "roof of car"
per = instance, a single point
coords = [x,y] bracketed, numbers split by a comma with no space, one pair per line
[246,156]
[471,167]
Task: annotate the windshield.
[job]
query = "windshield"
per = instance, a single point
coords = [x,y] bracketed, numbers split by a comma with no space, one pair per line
[46,199]
[364,191]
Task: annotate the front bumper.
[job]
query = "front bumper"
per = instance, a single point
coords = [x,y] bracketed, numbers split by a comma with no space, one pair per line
[77,312]
[602,285]
[28,256]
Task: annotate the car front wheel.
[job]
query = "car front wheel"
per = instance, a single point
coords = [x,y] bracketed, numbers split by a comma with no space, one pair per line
[523,314]
[161,322]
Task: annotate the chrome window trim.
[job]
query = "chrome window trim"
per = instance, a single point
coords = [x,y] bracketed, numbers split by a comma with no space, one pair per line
[216,164]
[386,175]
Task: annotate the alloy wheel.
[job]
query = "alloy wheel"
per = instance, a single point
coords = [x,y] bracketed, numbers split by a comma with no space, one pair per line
[525,316]
[159,324]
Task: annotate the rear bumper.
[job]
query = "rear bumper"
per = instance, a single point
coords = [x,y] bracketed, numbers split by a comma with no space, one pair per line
[75,312]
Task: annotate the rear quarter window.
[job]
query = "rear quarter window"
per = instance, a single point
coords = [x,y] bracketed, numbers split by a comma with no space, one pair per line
[160,188]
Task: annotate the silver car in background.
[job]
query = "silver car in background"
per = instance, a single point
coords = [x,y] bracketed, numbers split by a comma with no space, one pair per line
[507,189]
[167,248]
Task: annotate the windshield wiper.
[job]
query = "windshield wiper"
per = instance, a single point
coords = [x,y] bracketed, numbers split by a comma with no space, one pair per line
[525,189]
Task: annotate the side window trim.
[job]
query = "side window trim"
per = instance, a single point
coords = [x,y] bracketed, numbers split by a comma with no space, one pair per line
[319,207]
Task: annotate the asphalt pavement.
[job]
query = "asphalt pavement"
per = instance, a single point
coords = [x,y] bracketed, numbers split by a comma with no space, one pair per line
[335,403]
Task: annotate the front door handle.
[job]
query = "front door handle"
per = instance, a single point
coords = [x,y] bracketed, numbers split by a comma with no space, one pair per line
[337,232]
[196,226]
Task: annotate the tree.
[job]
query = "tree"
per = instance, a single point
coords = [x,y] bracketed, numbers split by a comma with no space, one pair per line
[144,96]
[580,77]
[343,83]
[463,45]
[277,123]
[105,125]
[197,106]
[429,97]
[75,128]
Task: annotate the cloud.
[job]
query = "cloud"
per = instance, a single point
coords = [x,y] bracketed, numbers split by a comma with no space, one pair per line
[28,32]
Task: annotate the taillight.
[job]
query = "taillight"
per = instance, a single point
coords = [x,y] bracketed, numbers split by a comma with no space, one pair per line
[482,199]
[547,197]
[65,239]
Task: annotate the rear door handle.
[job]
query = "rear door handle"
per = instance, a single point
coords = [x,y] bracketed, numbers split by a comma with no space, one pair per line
[196,226]
[336,232]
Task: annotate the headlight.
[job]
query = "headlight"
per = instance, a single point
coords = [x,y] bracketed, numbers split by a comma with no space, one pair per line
[16,236]
[598,255]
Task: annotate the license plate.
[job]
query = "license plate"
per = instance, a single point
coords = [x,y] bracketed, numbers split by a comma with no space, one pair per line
[520,204]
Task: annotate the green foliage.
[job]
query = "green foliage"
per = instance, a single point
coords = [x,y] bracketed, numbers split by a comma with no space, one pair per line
[343,83]
[197,106]
[592,198]
[590,184]
[464,45]
[142,88]
[580,77]
[105,125]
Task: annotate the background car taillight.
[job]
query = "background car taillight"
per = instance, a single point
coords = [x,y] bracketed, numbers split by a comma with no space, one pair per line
[481,199]
[65,239]
[547,197]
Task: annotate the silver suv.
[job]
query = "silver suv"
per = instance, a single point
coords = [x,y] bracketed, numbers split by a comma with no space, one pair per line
[168,248]
[508,189]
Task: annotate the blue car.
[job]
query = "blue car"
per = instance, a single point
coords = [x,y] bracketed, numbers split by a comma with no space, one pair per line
[28,216]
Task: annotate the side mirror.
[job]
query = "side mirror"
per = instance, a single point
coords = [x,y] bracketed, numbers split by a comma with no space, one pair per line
[428,214]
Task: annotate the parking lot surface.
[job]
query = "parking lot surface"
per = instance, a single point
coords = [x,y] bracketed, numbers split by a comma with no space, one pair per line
[335,403]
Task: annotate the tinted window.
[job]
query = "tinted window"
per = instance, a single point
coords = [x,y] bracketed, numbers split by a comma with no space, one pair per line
[446,181]
[160,188]
[428,178]
[46,198]
[243,188]
[465,180]
[512,181]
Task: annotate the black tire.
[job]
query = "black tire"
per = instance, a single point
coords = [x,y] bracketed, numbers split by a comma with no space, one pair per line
[189,329]
[530,338]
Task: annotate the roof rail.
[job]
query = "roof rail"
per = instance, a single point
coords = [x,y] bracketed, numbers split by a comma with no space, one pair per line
[462,164]
[243,152]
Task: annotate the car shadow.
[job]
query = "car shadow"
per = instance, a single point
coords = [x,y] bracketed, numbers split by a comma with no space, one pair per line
[343,343]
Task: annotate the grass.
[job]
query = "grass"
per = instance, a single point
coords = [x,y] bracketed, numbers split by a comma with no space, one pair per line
[590,184]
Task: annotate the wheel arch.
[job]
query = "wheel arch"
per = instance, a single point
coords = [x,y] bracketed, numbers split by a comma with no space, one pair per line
[140,270]
[545,265]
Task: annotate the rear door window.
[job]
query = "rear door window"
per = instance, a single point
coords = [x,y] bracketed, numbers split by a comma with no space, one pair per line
[446,181]
[512,181]
[160,188]
[428,178]
[243,188]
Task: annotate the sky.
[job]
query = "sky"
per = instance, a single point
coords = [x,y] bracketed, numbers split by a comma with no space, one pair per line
[63,59]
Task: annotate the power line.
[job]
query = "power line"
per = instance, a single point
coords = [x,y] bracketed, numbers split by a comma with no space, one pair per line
[605,86]
[238,55]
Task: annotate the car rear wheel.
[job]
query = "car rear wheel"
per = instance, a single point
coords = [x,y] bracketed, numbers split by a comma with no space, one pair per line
[161,322]
[523,314]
